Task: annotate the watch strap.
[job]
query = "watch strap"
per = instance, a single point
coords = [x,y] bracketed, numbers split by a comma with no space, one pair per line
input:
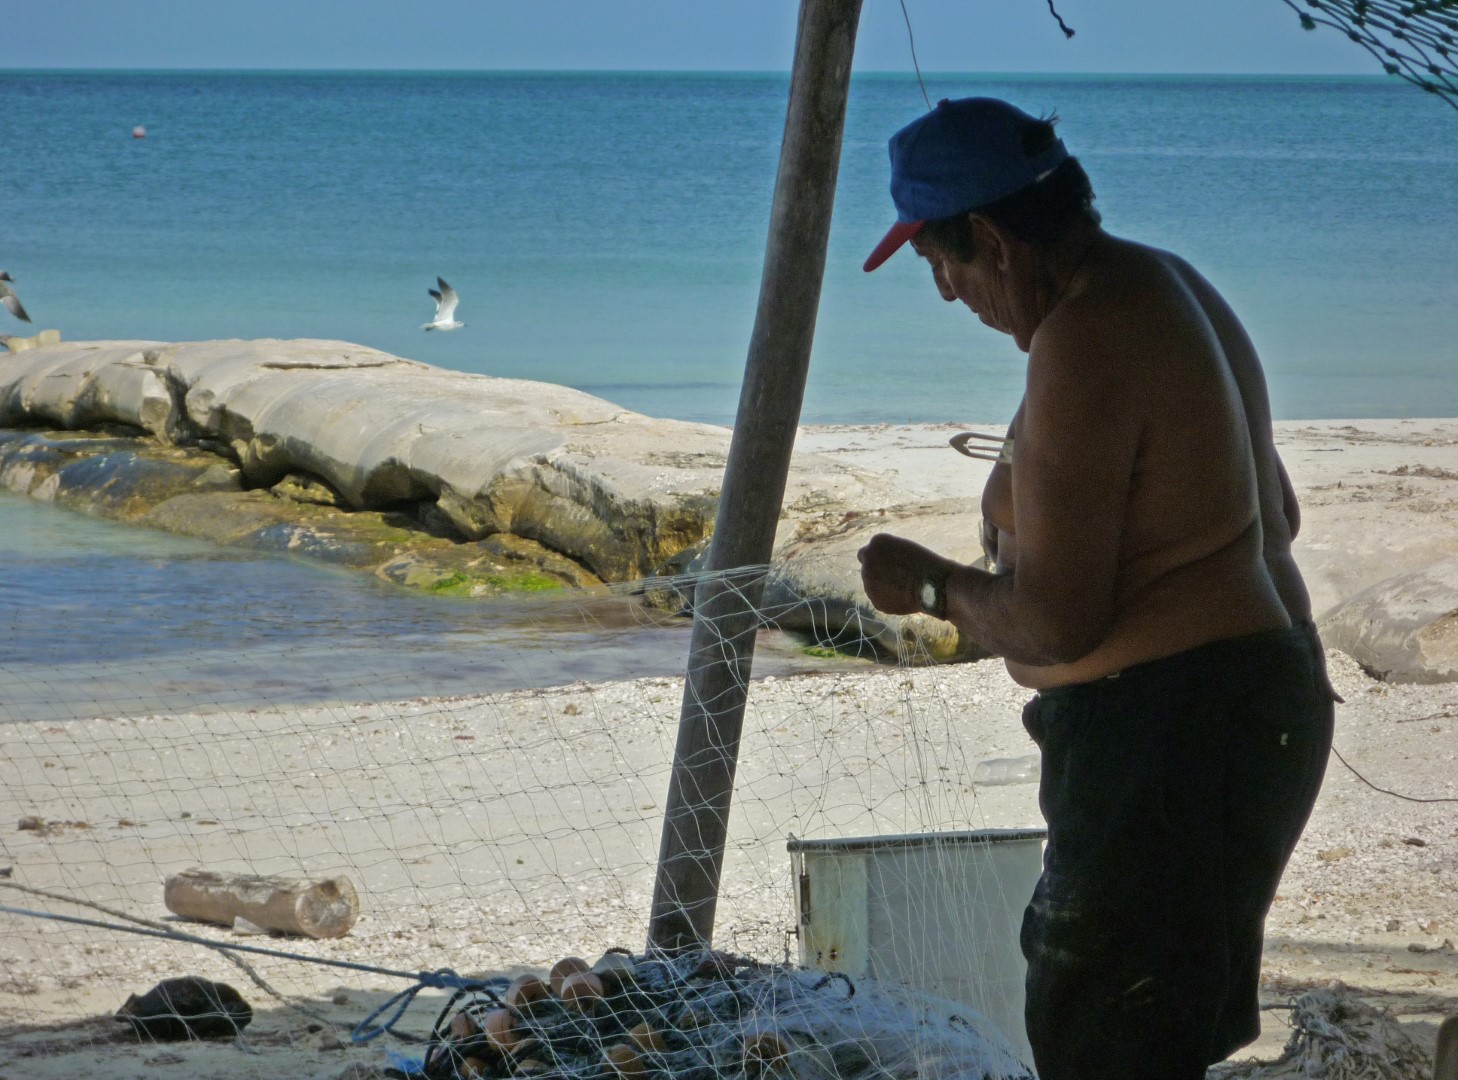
[935,583]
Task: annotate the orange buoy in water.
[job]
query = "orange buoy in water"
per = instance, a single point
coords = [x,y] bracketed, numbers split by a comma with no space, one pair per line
[139,132]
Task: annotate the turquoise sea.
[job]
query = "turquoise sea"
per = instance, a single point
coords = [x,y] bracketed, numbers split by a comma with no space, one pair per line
[606,231]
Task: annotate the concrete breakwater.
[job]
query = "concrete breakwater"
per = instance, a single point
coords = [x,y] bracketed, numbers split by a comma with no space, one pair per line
[431,479]
[476,486]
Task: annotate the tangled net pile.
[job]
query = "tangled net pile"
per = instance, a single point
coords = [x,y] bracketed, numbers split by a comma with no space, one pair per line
[1336,1036]
[1414,41]
[708,1015]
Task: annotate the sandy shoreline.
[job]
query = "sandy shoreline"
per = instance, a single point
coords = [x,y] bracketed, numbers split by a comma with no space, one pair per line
[498,833]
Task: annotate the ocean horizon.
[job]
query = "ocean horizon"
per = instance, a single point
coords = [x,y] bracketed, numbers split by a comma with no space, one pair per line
[606,231]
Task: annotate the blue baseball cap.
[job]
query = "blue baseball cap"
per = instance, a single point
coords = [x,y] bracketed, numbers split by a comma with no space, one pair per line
[963,154]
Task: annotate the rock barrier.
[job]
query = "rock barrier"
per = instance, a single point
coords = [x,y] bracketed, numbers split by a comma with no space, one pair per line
[430,478]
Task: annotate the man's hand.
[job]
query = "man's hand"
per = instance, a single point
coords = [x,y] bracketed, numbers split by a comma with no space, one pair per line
[893,570]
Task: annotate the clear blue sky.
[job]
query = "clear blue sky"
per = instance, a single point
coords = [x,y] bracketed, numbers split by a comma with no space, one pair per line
[1196,36]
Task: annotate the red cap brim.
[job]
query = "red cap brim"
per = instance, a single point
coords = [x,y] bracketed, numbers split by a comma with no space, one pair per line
[899,233]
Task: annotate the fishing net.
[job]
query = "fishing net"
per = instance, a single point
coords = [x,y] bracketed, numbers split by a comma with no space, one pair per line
[486,834]
[707,1015]
[1337,1036]
[1413,41]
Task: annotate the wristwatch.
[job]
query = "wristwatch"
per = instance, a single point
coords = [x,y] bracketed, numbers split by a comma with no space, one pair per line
[934,592]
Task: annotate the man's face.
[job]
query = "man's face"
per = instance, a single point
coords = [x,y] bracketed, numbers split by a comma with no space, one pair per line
[971,282]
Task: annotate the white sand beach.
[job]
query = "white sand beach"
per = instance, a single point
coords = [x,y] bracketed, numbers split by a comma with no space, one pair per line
[501,833]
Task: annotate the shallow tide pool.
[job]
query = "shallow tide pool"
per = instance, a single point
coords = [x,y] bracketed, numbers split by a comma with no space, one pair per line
[100,619]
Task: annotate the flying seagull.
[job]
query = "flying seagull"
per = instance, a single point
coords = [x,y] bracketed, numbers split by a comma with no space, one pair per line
[445,308]
[12,302]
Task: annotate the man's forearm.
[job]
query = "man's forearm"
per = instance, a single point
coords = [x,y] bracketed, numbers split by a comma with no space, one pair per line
[984,607]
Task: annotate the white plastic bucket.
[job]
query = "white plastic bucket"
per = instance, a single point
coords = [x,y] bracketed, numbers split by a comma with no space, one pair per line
[936,912]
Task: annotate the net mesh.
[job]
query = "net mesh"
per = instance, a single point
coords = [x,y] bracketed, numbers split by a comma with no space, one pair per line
[1335,1034]
[490,834]
[1413,41]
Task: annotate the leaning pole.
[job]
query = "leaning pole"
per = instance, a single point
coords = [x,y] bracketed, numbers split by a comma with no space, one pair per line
[726,604]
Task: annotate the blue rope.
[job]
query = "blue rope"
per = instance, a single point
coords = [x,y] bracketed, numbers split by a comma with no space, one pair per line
[364,1031]
[443,979]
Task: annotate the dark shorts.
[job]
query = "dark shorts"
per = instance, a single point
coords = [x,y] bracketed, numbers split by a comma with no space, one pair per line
[1174,793]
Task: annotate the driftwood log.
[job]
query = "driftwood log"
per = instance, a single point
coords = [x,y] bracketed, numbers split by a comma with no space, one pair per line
[319,909]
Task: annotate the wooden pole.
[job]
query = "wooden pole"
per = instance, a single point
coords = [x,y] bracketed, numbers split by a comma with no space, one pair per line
[726,617]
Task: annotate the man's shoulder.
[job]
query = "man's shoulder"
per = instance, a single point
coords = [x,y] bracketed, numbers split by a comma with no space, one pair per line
[1139,299]
[1097,334]
[1137,348]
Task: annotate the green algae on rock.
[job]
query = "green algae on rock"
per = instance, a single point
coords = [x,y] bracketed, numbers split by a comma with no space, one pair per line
[194,493]
[441,481]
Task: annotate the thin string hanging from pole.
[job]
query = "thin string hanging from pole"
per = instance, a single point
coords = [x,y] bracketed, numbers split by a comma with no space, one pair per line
[1068,31]
[911,40]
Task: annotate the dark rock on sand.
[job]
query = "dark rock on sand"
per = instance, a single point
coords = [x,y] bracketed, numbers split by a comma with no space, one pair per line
[188,1007]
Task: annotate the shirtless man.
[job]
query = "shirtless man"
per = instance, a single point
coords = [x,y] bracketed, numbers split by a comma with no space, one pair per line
[1141,536]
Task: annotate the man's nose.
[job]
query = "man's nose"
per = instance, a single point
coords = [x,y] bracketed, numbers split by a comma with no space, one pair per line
[943,285]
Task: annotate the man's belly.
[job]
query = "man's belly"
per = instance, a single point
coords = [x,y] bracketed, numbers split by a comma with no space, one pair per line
[1187,609]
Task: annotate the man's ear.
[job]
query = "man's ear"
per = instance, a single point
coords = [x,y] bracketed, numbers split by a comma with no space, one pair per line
[989,236]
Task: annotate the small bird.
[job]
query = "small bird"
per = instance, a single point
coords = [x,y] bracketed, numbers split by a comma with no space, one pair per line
[445,308]
[12,302]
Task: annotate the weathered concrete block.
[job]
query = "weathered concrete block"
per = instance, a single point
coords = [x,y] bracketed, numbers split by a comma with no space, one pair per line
[1404,629]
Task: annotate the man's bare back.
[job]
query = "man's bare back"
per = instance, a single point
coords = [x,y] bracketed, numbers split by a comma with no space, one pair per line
[1200,542]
